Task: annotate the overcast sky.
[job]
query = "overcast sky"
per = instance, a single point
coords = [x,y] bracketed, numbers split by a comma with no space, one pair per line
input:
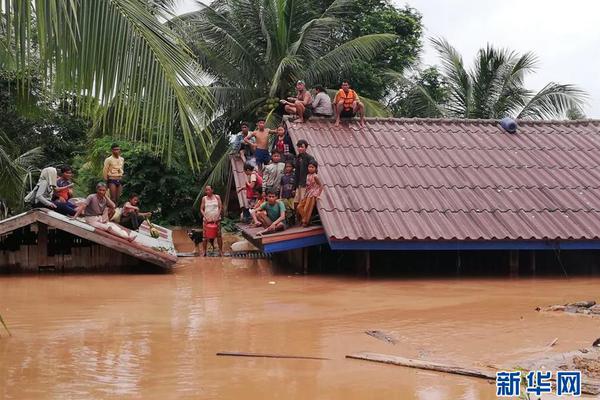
[565,35]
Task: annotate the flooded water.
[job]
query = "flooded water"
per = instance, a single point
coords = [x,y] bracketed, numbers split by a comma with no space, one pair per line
[155,336]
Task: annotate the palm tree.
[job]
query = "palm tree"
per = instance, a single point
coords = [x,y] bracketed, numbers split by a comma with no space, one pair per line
[256,49]
[495,87]
[138,77]
[14,169]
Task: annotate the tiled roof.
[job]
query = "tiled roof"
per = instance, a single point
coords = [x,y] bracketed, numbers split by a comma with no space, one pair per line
[424,179]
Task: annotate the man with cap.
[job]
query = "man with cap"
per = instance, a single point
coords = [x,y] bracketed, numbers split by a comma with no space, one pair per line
[299,105]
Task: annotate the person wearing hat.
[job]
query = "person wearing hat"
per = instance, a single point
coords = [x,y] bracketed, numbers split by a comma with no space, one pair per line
[301,104]
[321,105]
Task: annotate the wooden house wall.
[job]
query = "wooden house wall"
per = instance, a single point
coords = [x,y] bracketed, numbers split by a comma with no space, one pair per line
[24,250]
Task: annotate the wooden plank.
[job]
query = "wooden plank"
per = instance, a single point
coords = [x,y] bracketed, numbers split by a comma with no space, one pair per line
[42,244]
[265,355]
[587,387]
[427,365]
[18,221]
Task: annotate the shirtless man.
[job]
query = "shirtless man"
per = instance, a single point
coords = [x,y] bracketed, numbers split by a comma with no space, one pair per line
[299,105]
[261,135]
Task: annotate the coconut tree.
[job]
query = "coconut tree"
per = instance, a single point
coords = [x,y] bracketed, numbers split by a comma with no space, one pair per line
[495,87]
[254,50]
[138,77]
[14,169]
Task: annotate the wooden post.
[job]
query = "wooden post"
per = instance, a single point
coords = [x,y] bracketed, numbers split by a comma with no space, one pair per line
[42,245]
[305,260]
[513,263]
[532,261]
[368,263]
[228,191]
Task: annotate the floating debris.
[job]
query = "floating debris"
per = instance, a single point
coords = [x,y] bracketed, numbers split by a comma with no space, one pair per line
[386,337]
[588,307]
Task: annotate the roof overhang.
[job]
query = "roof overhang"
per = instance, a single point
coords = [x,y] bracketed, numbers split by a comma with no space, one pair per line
[465,245]
[289,239]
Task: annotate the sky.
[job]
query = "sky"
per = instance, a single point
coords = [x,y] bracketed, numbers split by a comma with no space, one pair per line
[565,36]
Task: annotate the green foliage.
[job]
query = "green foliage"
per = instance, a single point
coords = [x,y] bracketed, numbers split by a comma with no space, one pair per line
[368,17]
[495,87]
[133,74]
[424,95]
[172,188]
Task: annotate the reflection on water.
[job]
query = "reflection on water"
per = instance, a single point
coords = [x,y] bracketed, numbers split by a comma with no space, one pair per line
[155,336]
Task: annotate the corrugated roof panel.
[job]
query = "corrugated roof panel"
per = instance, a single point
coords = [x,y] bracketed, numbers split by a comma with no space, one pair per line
[427,179]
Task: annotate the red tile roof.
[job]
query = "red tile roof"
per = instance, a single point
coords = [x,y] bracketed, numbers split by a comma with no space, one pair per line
[424,179]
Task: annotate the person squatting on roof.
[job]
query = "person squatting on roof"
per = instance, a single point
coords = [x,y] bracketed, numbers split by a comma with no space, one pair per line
[47,192]
[131,216]
[240,147]
[114,167]
[211,209]
[95,210]
[314,187]
[347,104]
[321,105]
[301,104]
[271,214]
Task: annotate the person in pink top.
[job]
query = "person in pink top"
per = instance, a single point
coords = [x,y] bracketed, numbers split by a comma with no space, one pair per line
[314,188]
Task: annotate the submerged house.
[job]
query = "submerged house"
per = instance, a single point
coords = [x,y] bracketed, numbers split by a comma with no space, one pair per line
[41,239]
[451,185]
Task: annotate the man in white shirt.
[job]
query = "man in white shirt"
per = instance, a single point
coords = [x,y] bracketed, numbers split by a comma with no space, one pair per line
[322,103]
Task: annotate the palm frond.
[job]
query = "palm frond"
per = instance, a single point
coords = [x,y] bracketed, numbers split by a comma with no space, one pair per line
[118,55]
[460,83]
[554,101]
[342,57]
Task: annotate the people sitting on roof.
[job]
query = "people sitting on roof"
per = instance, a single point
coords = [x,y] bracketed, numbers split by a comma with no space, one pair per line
[95,210]
[131,216]
[283,144]
[314,187]
[301,104]
[287,191]
[301,168]
[347,104]
[272,173]
[261,135]
[271,214]
[211,209]
[253,188]
[63,194]
[321,105]
[244,150]
[113,171]
[46,192]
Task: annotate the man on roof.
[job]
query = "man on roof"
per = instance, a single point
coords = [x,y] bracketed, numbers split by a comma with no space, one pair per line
[301,104]
[321,105]
[261,135]
[347,104]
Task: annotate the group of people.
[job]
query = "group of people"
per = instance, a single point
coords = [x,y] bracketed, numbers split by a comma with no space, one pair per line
[54,190]
[346,104]
[282,184]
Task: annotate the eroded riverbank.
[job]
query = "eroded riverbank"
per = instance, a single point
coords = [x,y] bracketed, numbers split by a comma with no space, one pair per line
[155,336]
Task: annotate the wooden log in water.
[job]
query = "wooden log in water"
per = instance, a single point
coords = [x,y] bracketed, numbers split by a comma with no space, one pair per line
[420,364]
[587,387]
[265,355]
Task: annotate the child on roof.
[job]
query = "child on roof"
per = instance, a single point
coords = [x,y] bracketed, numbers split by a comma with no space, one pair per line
[253,189]
[287,191]
[283,144]
[314,187]
[272,174]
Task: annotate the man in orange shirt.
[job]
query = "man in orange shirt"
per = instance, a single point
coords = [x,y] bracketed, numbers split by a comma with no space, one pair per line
[347,104]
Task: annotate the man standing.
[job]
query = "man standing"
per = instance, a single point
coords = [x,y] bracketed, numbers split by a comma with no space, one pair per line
[211,209]
[302,161]
[301,104]
[321,105]
[347,104]
[113,172]
[261,135]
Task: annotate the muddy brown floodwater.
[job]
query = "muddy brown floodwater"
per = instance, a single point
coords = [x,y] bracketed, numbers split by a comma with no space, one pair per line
[155,336]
